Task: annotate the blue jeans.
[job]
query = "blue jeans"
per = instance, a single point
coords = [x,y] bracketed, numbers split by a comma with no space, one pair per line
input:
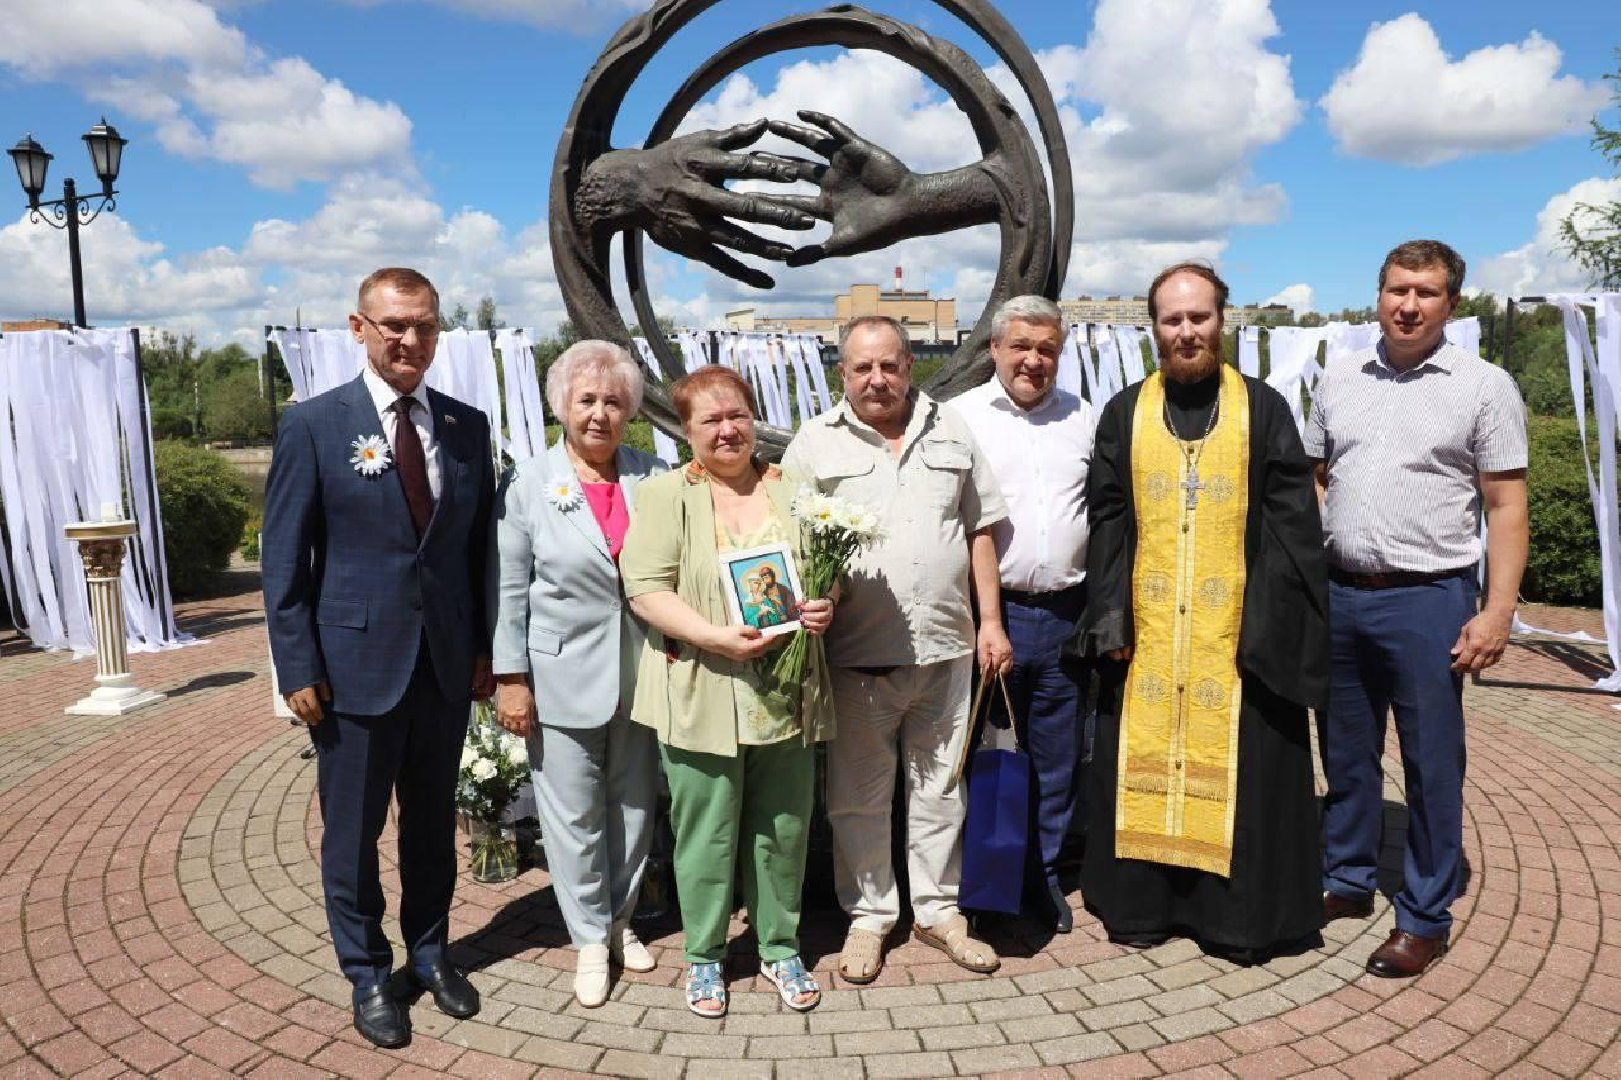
[1391,652]
[1048,691]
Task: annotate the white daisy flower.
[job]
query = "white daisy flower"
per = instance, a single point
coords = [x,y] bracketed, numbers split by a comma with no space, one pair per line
[371,455]
[565,495]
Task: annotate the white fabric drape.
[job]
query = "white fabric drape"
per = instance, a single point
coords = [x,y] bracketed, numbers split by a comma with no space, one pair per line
[464,368]
[526,416]
[1249,351]
[663,445]
[71,437]
[1130,340]
[1465,334]
[1069,377]
[1602,368]
[1294,364]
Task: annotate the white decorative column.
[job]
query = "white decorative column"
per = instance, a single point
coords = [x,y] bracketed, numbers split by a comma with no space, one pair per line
[101,546]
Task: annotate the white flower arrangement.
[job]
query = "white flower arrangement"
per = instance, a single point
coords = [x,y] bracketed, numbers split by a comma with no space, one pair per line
[370,455]
[564,494]
[494,765]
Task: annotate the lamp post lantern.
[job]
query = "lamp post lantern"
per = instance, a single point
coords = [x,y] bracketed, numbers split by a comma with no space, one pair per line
[72,209]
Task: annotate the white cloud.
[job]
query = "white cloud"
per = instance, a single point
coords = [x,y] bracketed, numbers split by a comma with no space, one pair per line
[1163,165]
[209,92]
[1541,265]
[1300,297]
[283,269]
[574,16]
[1405,101]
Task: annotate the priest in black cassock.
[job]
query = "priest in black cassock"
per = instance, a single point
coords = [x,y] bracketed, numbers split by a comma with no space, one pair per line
[1208,597]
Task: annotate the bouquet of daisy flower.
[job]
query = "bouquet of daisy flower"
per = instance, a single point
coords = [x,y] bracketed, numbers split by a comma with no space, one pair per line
[831,530]
[494,766]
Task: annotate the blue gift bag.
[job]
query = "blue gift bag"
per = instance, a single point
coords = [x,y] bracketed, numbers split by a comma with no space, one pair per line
[996,837]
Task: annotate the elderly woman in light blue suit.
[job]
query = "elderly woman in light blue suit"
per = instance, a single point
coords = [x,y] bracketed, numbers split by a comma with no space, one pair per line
[563,628]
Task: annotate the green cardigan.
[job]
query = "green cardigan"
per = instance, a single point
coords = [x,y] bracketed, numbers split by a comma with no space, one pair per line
[684,693]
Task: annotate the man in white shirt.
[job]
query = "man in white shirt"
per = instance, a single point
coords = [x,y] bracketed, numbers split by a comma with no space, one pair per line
[1038,440]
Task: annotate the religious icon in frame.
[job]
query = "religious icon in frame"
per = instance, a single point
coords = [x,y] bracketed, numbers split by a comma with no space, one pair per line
[762,588]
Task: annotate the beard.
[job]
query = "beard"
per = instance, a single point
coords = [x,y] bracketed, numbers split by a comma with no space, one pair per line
[1188,369]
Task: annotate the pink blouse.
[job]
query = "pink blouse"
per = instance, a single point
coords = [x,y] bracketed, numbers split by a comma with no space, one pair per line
[613,516]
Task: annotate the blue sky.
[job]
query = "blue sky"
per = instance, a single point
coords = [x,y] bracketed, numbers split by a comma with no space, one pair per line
[280,150]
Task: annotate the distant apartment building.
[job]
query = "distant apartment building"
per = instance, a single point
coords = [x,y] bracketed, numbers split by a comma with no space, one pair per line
[1133,310]
[928,321]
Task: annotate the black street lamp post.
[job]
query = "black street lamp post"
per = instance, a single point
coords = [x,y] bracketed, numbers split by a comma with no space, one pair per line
[72,209]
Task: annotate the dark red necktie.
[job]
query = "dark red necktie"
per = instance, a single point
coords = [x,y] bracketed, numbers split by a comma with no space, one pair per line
[413,466]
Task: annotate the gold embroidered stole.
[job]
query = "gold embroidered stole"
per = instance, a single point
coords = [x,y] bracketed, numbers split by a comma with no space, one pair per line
[1178,759]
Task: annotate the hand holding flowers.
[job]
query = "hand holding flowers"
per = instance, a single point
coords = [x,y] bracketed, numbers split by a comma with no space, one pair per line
[832,531]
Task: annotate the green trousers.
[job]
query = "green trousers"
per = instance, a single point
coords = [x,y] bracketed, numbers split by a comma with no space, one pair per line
[759,802]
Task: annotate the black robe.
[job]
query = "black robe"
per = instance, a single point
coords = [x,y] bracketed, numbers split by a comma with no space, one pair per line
[1274,894]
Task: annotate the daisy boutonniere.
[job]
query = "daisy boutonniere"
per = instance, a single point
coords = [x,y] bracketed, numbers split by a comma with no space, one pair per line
[370,455]
[565,495]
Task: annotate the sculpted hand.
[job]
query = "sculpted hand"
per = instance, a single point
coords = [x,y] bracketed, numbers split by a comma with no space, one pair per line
[741,643]
[871,197]
[515,707]
[306,703]
[674,192]
[1482,641]
[995,650]
[483,681]
[816,616]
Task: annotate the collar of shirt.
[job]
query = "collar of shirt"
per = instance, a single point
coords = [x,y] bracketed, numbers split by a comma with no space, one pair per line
[1440,359]
[383,396]
[922,405]
[998,396]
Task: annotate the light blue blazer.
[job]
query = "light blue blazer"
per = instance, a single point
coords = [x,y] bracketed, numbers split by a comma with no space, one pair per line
[561,613]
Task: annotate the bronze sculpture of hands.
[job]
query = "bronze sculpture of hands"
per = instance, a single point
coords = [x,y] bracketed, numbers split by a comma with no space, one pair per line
[674,192]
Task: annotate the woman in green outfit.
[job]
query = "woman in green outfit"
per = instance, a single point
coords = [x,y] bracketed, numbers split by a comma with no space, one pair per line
[740,761]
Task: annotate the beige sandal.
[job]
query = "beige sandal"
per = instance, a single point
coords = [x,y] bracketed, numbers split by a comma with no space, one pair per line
[952,938]
[862,957]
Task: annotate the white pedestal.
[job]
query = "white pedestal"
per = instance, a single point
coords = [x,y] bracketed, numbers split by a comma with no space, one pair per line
[116,696]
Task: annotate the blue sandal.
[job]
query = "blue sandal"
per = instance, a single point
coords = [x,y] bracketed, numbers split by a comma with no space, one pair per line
[791,980]
[704,983]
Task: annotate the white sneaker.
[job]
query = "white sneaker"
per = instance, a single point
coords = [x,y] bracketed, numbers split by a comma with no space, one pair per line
[628,949]
[591,975]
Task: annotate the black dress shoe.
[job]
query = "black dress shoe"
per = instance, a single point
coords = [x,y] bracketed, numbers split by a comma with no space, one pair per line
[1063,919]
[380,1018]
[1336,906]
[451,991]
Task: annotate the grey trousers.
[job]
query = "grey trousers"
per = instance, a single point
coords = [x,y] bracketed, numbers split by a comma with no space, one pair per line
[595,791]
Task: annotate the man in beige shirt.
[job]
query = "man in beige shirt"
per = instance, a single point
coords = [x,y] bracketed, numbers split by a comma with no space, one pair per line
[902,655]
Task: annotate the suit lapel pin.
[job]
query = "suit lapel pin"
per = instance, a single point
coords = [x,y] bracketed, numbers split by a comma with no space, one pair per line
[449,419]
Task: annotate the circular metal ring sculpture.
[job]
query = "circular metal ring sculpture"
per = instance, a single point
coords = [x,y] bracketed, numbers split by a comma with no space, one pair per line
[673,188]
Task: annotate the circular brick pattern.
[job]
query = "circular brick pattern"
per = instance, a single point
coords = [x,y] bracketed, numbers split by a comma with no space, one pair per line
[162,912]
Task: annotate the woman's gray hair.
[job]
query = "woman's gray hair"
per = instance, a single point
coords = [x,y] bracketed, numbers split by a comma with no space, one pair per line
[1031,309]
[593,358]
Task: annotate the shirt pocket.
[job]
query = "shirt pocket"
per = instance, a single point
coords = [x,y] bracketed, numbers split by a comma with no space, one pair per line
[946,465]
[336,611]
[846,477]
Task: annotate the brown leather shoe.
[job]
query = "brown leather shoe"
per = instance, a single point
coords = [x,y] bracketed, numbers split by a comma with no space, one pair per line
[1336,906]
[1405,955]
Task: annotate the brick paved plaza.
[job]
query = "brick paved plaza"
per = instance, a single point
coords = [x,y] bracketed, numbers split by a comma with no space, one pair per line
[162,915]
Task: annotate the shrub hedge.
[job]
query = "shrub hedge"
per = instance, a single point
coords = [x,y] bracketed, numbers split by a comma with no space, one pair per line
[206,501]
[1564,563]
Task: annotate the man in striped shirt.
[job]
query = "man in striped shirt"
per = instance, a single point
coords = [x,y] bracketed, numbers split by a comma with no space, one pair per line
[1411,438]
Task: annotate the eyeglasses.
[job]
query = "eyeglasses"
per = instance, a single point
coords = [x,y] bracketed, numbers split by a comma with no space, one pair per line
[395,329]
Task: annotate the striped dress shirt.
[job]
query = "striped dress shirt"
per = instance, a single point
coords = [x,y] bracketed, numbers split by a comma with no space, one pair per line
[1405,451]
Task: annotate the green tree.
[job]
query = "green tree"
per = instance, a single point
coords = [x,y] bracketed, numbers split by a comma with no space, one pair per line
[233,407]
[488,318]
[456,320]
[1591,234]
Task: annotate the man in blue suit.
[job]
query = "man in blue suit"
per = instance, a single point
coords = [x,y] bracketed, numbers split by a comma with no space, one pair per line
[377,518]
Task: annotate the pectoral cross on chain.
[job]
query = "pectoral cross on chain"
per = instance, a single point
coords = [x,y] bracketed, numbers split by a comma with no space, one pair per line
[1193,486]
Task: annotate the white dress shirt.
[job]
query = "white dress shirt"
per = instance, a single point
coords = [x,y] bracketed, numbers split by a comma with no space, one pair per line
[1041,458]
[384,396]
